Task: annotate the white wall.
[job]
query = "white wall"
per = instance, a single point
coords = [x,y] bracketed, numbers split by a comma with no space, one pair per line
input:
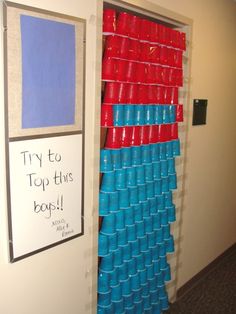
[209,216]
[59,280]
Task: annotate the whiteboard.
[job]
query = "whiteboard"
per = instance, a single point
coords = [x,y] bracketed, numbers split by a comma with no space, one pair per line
[46,199]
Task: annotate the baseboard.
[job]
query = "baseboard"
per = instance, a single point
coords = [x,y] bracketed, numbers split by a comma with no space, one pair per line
[199,276]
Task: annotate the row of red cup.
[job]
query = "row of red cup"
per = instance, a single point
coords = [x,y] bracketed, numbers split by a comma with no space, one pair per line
[132,26]
[126,93]
[136,72]
[118,137]
[129,49]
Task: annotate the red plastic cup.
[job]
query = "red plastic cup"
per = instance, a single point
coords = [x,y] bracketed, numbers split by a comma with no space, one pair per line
[164,133]
[151,76]
[121,66]
[168,132]
[130,72]
[154,54]
[126,133]
[164,55]
[179,113]
[106,115]
[144,134]
[144,51]
[154,32]
[172,77]
[109,21]
[142,94]
[132,94]
[144,30]
[171,57]
[153,134]
[182,41]
[178,61]
[112,46]
[167,95]
[113,138]
[159,74]
[123,23]
[178,73]
[174,131]
[124,47]
[141,72]
[122,93]
[164,35]
[135,136]
[108,69]
[175,38]
[111,93]
[174,95]
[160,95]
[134,50]
[166,76]
[152,94]
[135,25]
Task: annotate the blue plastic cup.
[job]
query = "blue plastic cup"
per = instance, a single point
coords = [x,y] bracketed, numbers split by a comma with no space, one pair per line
[107,262]
[135,247]
[176,147]
[143,243]
[104,309]
[145,289]
[120,219]
[112,240]
[103,282]
[124,198]
[126,157]
[149,114]
[156,220]
[157,187]
[171,212]
[137,295]
[155,152]
[138,212]
[142,195]
[146,154]
[118,306]
[104,299]
[103,248]
[166,231]
[103,204]
[160,202]
[163,262]
[138,307]
[129,215]
[130,310]
[118,257]
[140,262]
[140,175]
[116,158]
[160,278]
[139,115]
[165,184]
[151,239]
[118,115]
[122,237]
[114,280]
[168,199]
[152,283]
[147,259]
[155,253]
[166,114]
[129,115]
[140,228]
[164,303]
[171,165]
[170,245]
[123,272]
[143,276]
[135,281]
[164,168]
[164,217]
[169,150]
[172,110]
[116,293]
[150,189]
[150,271]
[156,170]
[156,307]
[146,303]
[131,232]
[159,236]
[120,177]
[153,204]
[108,182]
[148,223]
[158,114]
[105,161]
[162,151]
[154,295]
[162,291]
[133,196]
[156,266]
[127,254]
[172,181]
[167,273]
[148,172]
[131,177]
[126,287]
[132,268]
[136,153]
[114,201]
[108,224]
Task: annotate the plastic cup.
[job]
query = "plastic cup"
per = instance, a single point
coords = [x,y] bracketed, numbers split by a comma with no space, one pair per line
[135,25]
[140,73]
[106,263]
[140,262]
[131,309]
[159,236]
[155,152]
[156,265]
[167,273]
[169,150]
[148,172]
[123,23]
[143,243]
[170,246]
[116,158]
[140,229]
[163,55]
[103,282]
[107,115]
[162,147]
[109,66]
[162,250]
[120,219]
[145,208]
[138,213]
[149,114]
[152,94]
[129,111]
[151,75]
[142,195]
[122,237]
[157,187]
[160,202]
[176,147]
[126,249]
[148,222]
[131,232]
[118,115]
[122,93]
[172,181]
[168,199]
[114,280]
[164,217]
[129,215]
[156,170]
[164,303]
[112,47]
[154,32]
[144,29]
[105,161]
[153,136]
[171,164]
[103,204]
[108,224]
[142,89]
[120,67]
[145,289]
[135,136]
[136,156]
[158,114]
[153,205]
[156,307]
[123,272]
[108,182]
[179,113]
[116,293]
[135,247]
[131,177]
[171,211]
[164,168]
[166,114]
[124,198]
[133,195]
[118,306]
[135,281]
[150,189]
[131,72]
[124,47]
[146,154]
[150,271]
[132,93]
[126,157]
[154,296]
[166,231]
[113,138]
[120,179]
[139,115]
[118,257]
[102,244]
[160,94]
[159,80]
[109,21]
[140,175]
[126,287]
[174,131]
[172,110]
[111,93]
[160,278]
[132,269]
[139,307]
[154,55]
[151,239]
[147,304]
[104,299]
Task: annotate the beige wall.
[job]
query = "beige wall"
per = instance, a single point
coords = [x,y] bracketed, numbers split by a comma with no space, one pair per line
[209,213]
[59,280]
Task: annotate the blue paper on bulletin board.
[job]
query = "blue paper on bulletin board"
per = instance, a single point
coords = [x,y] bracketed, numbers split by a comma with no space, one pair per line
[48,72]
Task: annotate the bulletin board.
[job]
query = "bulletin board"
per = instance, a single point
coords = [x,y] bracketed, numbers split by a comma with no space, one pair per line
[44,80]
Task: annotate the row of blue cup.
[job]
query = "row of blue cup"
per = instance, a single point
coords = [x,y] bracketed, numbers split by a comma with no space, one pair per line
[134,115]
[127,157]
